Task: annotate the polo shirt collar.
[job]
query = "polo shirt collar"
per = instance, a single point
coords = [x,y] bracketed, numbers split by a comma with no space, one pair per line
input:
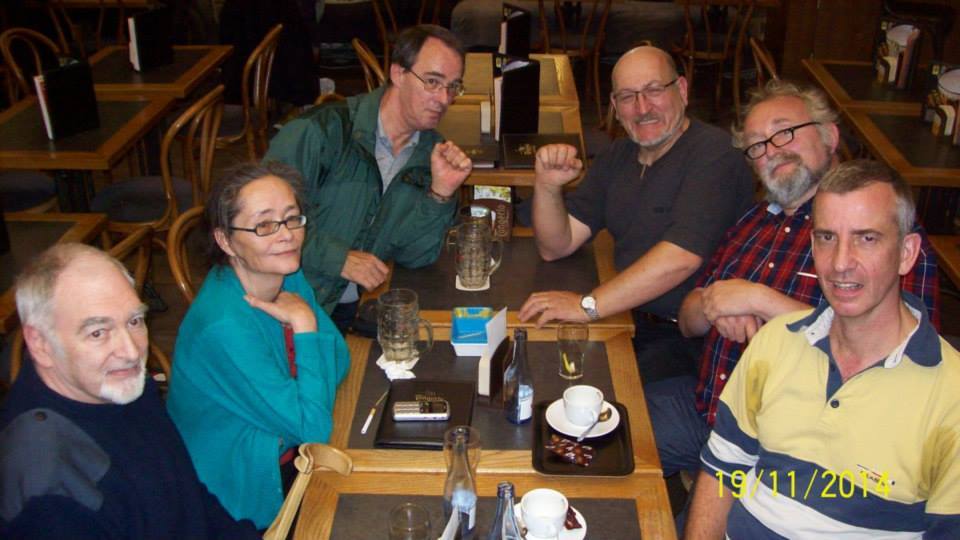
[922,345]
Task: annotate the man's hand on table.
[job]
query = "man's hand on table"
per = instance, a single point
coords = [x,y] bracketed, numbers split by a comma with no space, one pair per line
[449,167]
[553,306]
[556,165]
[289,309]
[364,269]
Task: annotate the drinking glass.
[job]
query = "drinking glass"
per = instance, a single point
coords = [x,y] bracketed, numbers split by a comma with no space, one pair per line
[475,260]
[409,521]
[572,347]
[398,326]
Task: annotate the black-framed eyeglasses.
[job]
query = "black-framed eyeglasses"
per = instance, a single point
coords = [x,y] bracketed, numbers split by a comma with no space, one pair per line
[651,91]
[779,139]
[432,84]
[266,228]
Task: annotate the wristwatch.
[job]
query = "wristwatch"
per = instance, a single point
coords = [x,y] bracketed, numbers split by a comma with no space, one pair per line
[589,306]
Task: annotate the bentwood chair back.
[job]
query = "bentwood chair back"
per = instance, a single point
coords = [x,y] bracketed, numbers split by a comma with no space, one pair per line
[27,44]
[763,60]
[255,93]
[373,74]
[136,248]
[385,17]
[584,43]
[313,457]
[158,200]
[177,252]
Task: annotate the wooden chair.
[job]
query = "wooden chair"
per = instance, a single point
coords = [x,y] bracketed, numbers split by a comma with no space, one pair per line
[157,200]
[706,45]
[43,52]
[252,119]
[313,457]
[137,246]
[586,47]
[763,60]
[177,255]
[373,74]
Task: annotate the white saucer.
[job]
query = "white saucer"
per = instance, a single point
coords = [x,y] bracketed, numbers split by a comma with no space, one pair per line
[565,534]
[558,421]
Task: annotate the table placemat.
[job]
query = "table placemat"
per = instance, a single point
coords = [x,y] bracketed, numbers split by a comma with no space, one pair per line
[363,517]
[26,241]
[521,272]
[115,68]
[860,83]
[912,138]
[440,363]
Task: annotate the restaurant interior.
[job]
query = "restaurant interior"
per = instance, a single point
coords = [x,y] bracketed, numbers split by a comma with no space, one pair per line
[128,185]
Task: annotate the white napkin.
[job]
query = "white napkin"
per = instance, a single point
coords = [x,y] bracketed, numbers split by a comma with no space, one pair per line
[485,286]
[398,370]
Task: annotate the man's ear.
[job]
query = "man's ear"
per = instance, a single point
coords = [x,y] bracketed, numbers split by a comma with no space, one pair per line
[223,241]
[909,251]
[396,71]
[39,346]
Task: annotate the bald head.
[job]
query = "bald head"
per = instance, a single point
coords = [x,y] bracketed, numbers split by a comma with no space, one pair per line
[646,59]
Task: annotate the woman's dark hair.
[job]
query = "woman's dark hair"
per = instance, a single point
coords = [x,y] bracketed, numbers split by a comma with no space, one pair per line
[223,204]
[411,40]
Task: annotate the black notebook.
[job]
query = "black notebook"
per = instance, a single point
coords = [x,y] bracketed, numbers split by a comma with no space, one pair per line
[485,155]
[516,88]
[520,149]
[67,100]
[424,435]
[515,31]
[151,39]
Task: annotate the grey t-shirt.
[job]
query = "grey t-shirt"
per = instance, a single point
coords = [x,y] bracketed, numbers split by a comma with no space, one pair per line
[688,197]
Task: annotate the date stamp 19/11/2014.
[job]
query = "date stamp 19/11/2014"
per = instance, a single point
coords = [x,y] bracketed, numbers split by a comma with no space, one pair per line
[844,484]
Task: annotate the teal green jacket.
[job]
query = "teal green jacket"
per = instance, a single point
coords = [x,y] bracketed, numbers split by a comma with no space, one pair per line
[333,148]
[232,397]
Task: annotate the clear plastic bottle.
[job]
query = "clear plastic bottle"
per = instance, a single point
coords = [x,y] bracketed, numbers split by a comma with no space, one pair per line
[460,492]
[517,382]
[505,526]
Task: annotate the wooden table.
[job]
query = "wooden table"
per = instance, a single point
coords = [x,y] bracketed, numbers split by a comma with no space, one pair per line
[30,234]
[557,86]
[357,506]
[192,64]
[521,272]
[461,124]
[853,85]
[947,248]
[905,143]
[123,121]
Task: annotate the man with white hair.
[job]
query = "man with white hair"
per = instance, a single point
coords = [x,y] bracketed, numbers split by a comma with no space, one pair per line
[86,446]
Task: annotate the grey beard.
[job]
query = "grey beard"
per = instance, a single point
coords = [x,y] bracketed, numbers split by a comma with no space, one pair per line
[788,191]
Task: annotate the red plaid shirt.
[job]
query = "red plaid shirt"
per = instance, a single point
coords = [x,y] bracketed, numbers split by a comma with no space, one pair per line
[767,246]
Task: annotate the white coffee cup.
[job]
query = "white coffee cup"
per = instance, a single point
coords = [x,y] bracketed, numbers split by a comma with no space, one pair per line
[544,511]
[581,404]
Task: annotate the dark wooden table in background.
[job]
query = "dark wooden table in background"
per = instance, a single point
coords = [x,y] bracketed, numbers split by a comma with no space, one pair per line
[192,65]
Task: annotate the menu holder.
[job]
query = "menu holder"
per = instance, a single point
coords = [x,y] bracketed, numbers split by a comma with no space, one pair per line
[896,49]
[940,107]
[485,155]
[151,39]
[515,31]
[516,91]
[614,451]
[520,149]
[424,435]
[67,100]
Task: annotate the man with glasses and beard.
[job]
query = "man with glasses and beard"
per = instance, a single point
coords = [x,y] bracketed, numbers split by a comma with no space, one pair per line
[380,181]
[666,194]
[86,447]
[764,267]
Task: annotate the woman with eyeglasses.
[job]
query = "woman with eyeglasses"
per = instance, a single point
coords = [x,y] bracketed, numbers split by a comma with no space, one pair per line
[257,361]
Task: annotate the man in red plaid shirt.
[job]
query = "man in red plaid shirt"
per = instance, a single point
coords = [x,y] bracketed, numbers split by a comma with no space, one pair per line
[763,267]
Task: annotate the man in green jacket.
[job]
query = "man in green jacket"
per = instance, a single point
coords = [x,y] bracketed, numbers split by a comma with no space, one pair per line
[380,183]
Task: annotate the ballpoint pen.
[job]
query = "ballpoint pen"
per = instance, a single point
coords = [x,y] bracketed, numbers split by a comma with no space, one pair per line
[373,411]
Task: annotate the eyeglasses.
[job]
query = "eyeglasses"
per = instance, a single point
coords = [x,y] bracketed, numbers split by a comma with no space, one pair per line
[266,228]
[432,84]
[779,139]
[652,91]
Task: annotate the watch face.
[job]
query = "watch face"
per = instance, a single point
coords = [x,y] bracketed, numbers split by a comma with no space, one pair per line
[588,302]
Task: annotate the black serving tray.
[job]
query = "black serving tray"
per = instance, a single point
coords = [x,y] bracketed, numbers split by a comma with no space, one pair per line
[614,451]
